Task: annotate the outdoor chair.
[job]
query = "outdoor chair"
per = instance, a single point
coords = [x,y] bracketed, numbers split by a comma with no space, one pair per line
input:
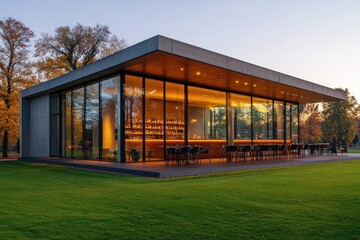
[294,149]
[246,151]
[283,150]
[195,153]
[205,151]
[171,153]
[263,151]
[135,154]
[185,152]
[149,154]
[231,151]
[304,150]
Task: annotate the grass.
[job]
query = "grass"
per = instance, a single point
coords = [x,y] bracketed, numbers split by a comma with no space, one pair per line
[306,202]
[354,150]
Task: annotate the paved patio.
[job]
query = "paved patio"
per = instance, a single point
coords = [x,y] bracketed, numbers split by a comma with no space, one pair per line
[160,170]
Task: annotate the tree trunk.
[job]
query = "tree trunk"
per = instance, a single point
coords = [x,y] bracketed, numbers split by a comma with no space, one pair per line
[5,144]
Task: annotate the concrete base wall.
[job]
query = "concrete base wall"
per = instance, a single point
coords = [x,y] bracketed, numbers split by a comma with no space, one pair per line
[40,126]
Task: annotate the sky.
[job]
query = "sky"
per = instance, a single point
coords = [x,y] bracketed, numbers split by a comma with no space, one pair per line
[316,40]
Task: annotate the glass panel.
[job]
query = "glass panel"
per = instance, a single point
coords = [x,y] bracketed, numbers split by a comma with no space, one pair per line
[133,117]
[110,108]
[207,114]
[78,118]
[295,123]
[207,117]
[262,118]
[66,121]
[175,99]
[288,121]
[241,113]
[154,120]
[54,125]
[92,122]
[279,120]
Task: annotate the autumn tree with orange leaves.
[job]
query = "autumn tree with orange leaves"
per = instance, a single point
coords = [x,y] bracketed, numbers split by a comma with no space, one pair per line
[72,48]
[15,75]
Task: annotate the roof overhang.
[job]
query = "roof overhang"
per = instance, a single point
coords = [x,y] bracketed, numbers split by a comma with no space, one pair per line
[170,59]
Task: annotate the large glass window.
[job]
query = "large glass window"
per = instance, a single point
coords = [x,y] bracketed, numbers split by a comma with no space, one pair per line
[110,126]
[92,122]
[207,114]
[66,123]
[133,97]
[175,114]
[279,120]
[262,118]
[148,131]
[288,121]
[154,119]
[241,115]
[78,119]
[295,123]
[292,121]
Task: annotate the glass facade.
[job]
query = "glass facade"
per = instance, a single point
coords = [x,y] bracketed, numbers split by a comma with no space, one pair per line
[292,123]
[295,123]
[134,124]
[262,118]
[279,130]
[91,131]
[109,95]
[88,122]
[241,114]
[207,114]
[154,119]
[67,124]
[175,119]
[77,124]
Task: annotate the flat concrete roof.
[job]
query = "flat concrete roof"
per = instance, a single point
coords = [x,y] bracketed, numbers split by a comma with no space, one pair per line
[163,57]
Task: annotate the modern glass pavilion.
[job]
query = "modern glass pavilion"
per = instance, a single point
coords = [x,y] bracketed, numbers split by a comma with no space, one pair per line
[158,93]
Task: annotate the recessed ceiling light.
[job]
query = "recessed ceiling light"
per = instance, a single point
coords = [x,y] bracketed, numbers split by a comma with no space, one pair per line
[182,69]
[282,91]
[236,81]
[246,83]
[198,73]
[254,85]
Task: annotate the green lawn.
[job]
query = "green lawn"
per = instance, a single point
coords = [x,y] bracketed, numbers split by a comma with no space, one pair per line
[306,202]
[353,150]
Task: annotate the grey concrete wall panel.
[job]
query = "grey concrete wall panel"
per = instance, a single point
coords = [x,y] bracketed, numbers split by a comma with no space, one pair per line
[39,126]
[24,127]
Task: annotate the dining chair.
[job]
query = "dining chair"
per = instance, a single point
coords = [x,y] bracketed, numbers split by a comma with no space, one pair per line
[205,151]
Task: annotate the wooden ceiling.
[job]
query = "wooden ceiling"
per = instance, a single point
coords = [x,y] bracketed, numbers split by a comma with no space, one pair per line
[165,65]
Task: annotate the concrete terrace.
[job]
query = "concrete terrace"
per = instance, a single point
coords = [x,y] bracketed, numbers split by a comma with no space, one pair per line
[160,170]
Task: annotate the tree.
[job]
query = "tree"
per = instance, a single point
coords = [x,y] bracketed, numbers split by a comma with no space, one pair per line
[341,119]
[310,123]
[72,48]
[15,75]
